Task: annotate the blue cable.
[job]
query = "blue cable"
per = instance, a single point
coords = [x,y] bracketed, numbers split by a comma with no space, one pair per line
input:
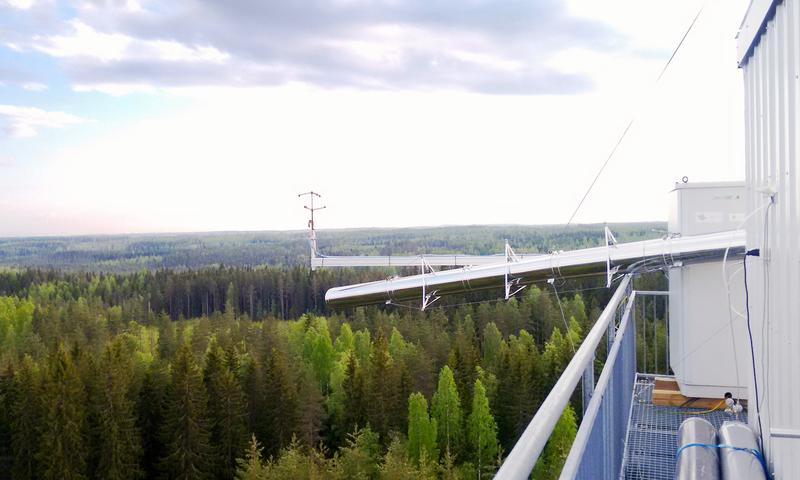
[754,451]
[754,252]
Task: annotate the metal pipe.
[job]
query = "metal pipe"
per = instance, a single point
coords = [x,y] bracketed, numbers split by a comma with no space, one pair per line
[739,464]
[573,460]
[697,462]
[526,451]
[576,263]
[434,260]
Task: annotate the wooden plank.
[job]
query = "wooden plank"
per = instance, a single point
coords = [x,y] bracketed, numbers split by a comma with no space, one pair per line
[672,398]
[666,384]
[667,393]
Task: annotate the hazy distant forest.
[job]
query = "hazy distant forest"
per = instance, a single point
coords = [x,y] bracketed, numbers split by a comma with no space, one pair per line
[144,357]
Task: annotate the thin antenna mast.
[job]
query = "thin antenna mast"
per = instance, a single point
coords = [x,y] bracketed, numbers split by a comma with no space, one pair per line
[312,236]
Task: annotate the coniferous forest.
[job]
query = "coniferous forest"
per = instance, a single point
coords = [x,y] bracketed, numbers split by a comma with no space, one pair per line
[240,372]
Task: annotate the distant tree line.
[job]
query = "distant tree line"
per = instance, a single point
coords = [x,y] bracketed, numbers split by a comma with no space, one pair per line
[132,253]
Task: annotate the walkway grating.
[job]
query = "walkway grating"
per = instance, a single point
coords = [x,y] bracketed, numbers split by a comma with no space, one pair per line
[653,433]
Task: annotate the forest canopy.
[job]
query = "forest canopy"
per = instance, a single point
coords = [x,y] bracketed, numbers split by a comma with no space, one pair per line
[243,372]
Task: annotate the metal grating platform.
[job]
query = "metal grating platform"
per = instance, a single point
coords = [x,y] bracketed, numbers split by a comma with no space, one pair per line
[653,433]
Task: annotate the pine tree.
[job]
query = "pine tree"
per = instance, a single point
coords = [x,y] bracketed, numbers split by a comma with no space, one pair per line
[446,408]
[396,464]
[185,427]
[251,467]
[358,459]
[422,430]
[482,430]
[296,465]
[62,453]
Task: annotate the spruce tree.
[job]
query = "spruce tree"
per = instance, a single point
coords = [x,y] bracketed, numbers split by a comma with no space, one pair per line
[26,417]
[226,411]
[119,443]
[355,397]
[281,408]
[62,452]
[382,391]
[185,427]
[151,405]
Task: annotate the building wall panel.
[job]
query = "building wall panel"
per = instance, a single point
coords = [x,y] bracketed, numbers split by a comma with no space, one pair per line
[772,128]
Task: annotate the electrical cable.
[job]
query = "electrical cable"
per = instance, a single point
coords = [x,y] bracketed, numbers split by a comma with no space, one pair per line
[710,410]
[726,281]
[765,311]
[628,127]
[754,252]
[564,318]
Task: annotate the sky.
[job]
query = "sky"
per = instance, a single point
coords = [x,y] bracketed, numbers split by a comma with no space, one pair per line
[135,116]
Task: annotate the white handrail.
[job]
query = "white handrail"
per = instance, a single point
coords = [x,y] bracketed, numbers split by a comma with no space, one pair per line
[520,462]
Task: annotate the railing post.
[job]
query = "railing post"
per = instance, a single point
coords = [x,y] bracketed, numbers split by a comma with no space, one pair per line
[587,385]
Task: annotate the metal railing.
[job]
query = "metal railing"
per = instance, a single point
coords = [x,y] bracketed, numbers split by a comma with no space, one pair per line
[599,445]
[521,460]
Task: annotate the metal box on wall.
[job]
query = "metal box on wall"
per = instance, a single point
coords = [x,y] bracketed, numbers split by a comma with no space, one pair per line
[708,352]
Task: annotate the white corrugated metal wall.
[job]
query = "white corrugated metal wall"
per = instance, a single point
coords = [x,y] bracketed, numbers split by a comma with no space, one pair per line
[771,65]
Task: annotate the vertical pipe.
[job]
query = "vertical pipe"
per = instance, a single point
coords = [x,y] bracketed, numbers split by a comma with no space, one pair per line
[666,328]
[644,336]
[655,336]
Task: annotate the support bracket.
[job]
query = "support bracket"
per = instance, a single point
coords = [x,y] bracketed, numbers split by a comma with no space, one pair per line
[512,285]
[611,241]
[428,298]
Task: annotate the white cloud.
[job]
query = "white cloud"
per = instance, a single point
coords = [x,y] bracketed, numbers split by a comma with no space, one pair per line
[24,122]
[34,86]
[19,4]
[85,41]
[115,89]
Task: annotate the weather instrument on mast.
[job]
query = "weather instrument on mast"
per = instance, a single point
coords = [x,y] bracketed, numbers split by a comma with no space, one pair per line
[312,236]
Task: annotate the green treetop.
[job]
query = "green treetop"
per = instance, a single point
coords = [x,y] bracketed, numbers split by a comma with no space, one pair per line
[421,430]
[446,408]
[482,430]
